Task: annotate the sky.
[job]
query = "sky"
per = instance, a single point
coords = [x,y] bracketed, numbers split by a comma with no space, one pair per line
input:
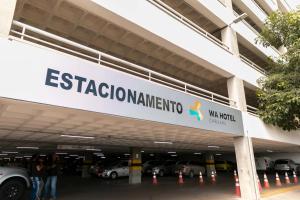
[294,3]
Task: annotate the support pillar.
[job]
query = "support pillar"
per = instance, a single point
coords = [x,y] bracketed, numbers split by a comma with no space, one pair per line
[229,38]
[243,146]
[87,162]
[246,168]
[135,166]
[210,163]
[7,10]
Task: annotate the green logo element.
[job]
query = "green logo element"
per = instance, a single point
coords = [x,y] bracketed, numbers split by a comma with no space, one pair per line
[195,111]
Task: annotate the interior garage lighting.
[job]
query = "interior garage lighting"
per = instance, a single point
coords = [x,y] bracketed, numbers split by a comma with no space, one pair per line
[162,142]
[42,155]
[3,154]
[142,151]
[218,154]
[197,153]
[270,151]
[103,157]
[74,155]
[10,152]
[27,156]
[18,157]
[126,154]
[93,150]
[171,152]
[173,155]
[61,153]
[212,146]
[78,136]
[27,147]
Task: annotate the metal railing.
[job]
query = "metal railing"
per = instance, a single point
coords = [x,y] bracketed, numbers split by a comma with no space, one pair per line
[252,110]
[23,32]
[252,64]
[175,14]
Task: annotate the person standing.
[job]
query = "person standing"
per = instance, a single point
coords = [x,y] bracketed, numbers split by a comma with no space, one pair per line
[51,180]
[36,176]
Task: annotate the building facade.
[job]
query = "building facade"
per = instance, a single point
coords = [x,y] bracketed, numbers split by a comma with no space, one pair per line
[158,74]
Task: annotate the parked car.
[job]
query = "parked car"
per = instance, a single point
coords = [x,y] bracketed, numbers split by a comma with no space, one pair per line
[189,168]
[148,165]
[119,169]
[225,165]
[264,164]
[285,165]
[13,183]
[166,168]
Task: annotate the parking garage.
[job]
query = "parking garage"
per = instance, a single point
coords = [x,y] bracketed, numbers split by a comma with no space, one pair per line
[103,94]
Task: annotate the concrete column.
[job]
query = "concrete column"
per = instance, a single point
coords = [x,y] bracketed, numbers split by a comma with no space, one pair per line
[87,162]
[229,38]
[7,9]
[228,4]
[210,163]
[236,92]
[135,166]
[246,168]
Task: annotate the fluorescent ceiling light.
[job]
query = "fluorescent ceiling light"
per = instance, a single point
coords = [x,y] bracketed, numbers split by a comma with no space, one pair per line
[10,152]
[171,152]
[3,154]
[270,151]
[78,136]
[103,157]
[27,147]
[142,151]
[126,154]
[18,157]
[163,142]
[93,149]
[213,146]
[173,155]
[73,155]
[218,154]
[197,153]
[67,157]
[61,153]
[151,154]
[42,155]
[27,156]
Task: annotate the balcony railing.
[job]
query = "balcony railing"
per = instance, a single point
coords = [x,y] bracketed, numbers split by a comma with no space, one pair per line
[23,32]
[173,13]
[252,64]
[252,110]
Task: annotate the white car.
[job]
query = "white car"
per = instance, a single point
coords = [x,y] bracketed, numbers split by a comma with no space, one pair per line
[13,183]
[285,165]
[120,169]
[189,168]
[264,164]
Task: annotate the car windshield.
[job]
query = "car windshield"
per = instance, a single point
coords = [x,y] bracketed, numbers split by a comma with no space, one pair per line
[281,162]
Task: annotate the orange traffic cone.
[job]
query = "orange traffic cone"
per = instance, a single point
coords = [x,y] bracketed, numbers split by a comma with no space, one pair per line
[180,178]
[234,174]
[154,179]
[201,179]
[213,178]
[259,185]
[287,178]
[295,177]
[278,182]
[237,187]
[266,181]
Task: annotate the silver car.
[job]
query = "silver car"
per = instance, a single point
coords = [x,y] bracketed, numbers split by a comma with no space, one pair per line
[189,168]
[120,169]
[13,183]
[285,165]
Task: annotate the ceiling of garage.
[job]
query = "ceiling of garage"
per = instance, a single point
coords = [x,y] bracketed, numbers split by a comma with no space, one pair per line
[67,20]
[30,124]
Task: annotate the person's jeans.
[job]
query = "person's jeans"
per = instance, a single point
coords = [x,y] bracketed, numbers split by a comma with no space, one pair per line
[35,187]
[50,186]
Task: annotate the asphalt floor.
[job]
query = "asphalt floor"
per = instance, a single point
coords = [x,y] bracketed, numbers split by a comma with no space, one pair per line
[77,188]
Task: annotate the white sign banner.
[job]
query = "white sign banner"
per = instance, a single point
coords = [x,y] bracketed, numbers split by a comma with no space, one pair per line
[45,76]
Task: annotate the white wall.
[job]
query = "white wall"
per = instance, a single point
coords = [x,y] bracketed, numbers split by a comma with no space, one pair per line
[256,128]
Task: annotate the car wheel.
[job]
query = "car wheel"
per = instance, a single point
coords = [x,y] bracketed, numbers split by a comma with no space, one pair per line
[12,190]
[113,175]
[191,174]
[161,173]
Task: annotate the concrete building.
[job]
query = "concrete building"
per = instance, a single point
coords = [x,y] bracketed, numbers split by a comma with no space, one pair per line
[138,74]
